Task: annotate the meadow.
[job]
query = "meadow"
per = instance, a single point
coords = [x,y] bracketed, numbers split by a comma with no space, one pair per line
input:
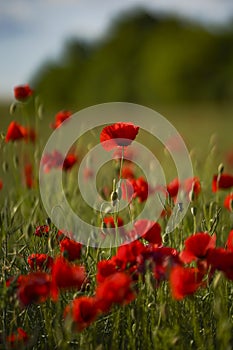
[161,290]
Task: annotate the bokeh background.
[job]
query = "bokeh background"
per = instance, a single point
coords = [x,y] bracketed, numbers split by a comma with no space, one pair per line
[173,56]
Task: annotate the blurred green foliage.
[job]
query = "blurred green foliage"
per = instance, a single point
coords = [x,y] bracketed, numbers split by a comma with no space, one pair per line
[143,59]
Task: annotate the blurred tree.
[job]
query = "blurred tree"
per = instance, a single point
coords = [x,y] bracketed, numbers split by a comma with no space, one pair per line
[144,59]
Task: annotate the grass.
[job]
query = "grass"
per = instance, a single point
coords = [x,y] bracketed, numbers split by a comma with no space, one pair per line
[154,319]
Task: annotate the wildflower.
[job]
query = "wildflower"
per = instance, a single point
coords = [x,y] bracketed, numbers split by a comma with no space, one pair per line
[52,160]
[141,188]
[127,172]
[69,162]
[163,259]
[173,187]
[60,117]
[28,176]
[1,184]
[14,132]
[116,289]
[149,230]
[71,249]
[118,134]
[40,261]
[22,92]
[82,311]
[197,246]
[29,134]
[184,281]
[128,254]
[42,230]
[228,202]
[192,185]
[66,276]
[105,268]
[88,173]
[33,288]
[229,243]
[222,260]
[222,181]
[15,340]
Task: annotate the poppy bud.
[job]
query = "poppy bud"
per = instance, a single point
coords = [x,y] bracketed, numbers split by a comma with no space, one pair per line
[194,211]
[220,169]
[13,107]
[114,198]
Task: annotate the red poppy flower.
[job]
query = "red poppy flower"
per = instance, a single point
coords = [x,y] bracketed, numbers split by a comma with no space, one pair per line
[192,185]
[28,176]
[118,134]
[22,92]
[33,288]
[229,243]
[88,173]
[110,224]
[141,189]
[60,117]
[222,260]
[184,281]
[66,276]
[82,311]
[109,221]
[163,258]
[14,132]
[197,246]
[229,158]
[29,134]
[173,187]
[128,254]
[117,288]
[149,230]
[15,340]
[228,202]
[71,249]
[105,268]
[42,230]
[52,160]
[40,261]
[1,184]
[69,162]
[222,182]
[127,172]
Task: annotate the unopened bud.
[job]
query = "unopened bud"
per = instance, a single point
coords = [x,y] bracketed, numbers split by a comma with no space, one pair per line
[48,221]
[13,107]
[40,112]
[193,211]
[114,198]
[5,167]
[220,169]
[191,195]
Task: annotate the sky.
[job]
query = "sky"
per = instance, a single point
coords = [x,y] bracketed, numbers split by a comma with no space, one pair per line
[33,31]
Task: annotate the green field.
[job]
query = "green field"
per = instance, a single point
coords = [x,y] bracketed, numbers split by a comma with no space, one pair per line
[140,302]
